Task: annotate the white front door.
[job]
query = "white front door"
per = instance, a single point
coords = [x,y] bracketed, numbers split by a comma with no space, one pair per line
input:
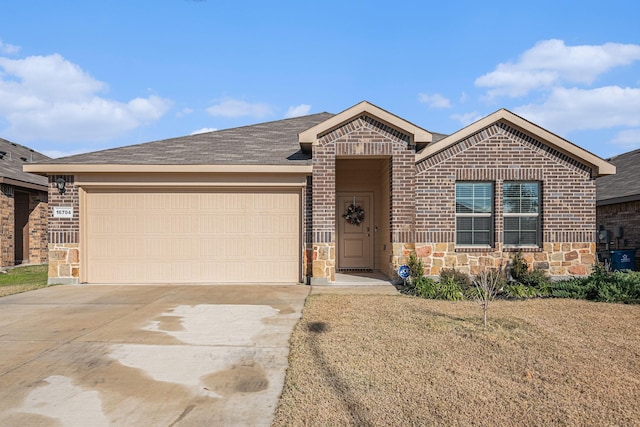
[355,241]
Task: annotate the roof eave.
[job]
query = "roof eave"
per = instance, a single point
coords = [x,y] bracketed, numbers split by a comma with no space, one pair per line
[23,184]
[48,168]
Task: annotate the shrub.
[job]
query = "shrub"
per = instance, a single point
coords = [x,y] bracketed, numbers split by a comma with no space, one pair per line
[426,287]
[601,285]
[463,280]
[416,269]
[520,273]
[519,291]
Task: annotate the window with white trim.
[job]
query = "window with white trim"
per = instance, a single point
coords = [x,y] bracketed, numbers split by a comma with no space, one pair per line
[474,214]
[521,207]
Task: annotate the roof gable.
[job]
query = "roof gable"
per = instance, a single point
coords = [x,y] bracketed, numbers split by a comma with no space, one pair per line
[599,166]
[416,134]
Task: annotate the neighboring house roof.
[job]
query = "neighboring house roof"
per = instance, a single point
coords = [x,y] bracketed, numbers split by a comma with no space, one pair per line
[600,166]
[624,186]
[12,158]
[272,143]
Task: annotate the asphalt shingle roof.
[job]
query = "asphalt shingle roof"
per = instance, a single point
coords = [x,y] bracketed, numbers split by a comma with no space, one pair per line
[13,156]
[271,143]
[625,184]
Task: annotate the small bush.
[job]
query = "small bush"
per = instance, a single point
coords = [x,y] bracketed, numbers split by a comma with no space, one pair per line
[520,273]
[463,280]
[601,285]
[425,287]
[519,291]
[416,269]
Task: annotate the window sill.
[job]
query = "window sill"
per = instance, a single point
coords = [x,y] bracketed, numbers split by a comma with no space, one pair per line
[522,249]
[475,249]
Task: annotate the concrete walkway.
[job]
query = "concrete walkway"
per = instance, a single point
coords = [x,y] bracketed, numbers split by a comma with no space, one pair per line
[357,283]
[90,355]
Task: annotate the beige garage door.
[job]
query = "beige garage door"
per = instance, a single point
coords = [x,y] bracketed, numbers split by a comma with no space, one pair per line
[192,236]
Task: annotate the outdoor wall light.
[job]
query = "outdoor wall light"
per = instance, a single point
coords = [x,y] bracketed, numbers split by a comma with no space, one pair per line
[60,183]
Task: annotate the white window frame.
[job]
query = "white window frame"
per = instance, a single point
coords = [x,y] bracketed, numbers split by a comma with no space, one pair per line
[477,215]
[535,215]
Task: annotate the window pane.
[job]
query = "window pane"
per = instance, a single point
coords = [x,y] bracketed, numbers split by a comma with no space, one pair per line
[482,224]
[521,197]
[529,223]
[528,238]
[521,231]
[472,197]
[482,238]
[464,223]
[511,237]
[464,238]
[511,205]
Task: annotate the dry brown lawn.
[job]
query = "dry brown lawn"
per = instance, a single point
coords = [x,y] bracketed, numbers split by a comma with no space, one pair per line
[395,360]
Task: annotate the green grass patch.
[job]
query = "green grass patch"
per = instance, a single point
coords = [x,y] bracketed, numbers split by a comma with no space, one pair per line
[23,279]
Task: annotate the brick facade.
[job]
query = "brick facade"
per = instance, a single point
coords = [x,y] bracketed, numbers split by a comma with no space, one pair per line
[64,233]
[38,234]
[627,215]
[498,154]
[362,137]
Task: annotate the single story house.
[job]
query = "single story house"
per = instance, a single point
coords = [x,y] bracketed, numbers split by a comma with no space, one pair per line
[23,207]
[618,205]
[296,200]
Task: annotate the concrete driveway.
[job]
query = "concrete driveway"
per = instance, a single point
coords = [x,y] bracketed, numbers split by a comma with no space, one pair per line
[93,355]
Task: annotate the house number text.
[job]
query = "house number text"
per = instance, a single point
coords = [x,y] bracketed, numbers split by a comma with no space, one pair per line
[62,212]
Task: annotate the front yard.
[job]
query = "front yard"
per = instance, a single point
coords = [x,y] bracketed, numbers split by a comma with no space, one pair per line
[397,360]
[22,279]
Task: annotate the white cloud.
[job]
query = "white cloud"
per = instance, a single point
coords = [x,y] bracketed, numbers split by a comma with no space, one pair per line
[467,118]
[297,111]
[550,63]
[8,49]
[203,130]
[230,107]
[435,100]
[628,139]
[184,112]
[50,97]
[567,110]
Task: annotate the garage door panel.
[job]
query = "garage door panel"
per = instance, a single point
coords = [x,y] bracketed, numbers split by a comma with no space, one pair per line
[187,236]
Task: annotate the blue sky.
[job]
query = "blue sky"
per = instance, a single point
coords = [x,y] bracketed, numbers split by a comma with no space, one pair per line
[78,76]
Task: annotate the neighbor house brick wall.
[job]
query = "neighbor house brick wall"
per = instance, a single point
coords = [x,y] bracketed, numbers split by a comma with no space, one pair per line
[497,154]
[363,137]
[38,227]
[7,236]
[64,233]
[38,221]
[627,215]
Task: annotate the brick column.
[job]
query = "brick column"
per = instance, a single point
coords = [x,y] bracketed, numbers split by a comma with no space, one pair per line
[64,234]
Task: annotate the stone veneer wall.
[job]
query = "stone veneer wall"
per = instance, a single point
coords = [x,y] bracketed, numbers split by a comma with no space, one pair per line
[64,234]
[38,221]
[501,153]
[627,215]
[362,137]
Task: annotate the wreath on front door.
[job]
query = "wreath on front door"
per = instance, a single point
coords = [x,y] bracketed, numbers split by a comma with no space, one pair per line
[354,214]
